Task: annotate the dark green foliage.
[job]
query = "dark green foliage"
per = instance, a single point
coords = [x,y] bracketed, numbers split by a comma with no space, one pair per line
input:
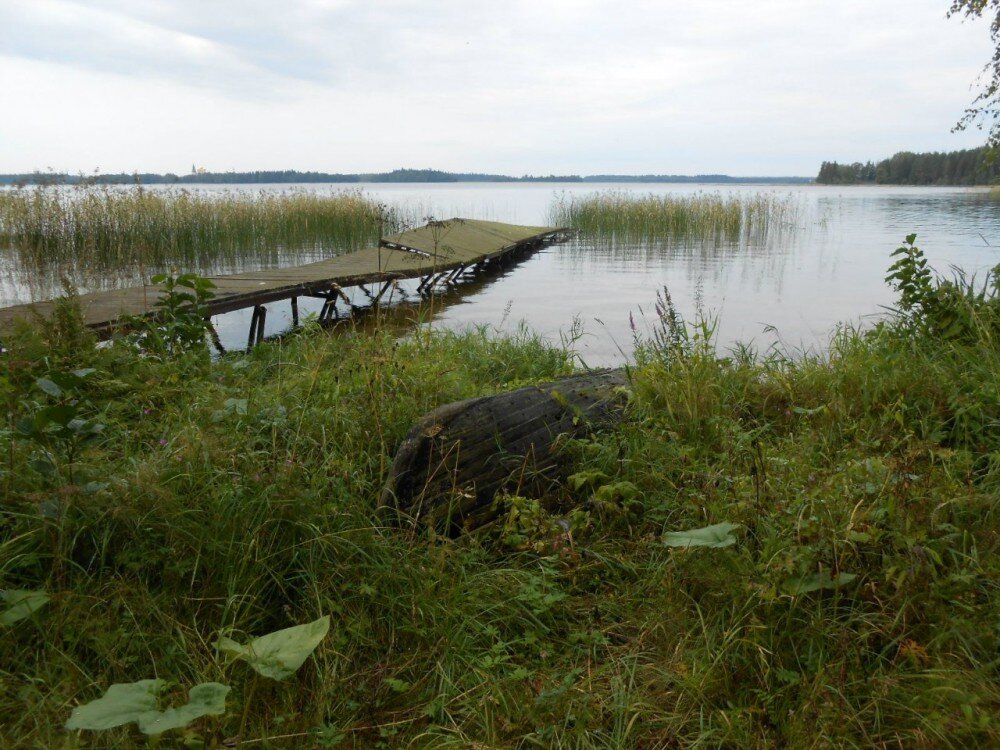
[60,425]
[180,325]
[968,167]
[832,173]
[956,309]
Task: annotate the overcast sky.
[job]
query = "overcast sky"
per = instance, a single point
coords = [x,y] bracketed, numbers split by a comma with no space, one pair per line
[744,87]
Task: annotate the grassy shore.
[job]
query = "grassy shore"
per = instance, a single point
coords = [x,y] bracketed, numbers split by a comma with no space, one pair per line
[852,603]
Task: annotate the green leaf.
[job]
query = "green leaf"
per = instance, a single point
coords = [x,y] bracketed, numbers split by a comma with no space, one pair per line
[49,387]
[236,405]
[67,380]
[623,492]
[136,702]
[804,584]
[60,414]
[206,699]
[121,704]
[278,655]
[43,465]
[230,406]
[717,535]
[587,478]
[20,604]
[26,427]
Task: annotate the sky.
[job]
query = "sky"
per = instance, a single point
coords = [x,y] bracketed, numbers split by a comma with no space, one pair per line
[741,87]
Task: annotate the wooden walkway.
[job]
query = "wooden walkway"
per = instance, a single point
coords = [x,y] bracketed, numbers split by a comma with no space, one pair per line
[439,251]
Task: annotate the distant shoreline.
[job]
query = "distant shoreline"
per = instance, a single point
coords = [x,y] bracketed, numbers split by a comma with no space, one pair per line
[399,176]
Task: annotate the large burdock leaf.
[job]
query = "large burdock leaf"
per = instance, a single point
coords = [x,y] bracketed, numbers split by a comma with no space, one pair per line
[277,655]
[20,604]
[120,705]
[717,535]
[815,582]
[136,702]
[206,699]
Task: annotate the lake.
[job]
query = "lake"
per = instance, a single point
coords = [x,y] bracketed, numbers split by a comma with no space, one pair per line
[794,286]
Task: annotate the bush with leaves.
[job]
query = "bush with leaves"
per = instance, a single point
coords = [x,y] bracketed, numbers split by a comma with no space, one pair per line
[959,309]
[180,325]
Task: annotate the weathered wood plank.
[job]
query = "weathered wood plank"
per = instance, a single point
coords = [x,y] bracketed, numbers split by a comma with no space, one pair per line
[475,241]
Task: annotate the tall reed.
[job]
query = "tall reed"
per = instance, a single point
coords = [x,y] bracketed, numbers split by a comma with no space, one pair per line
[103,230]
[624,216]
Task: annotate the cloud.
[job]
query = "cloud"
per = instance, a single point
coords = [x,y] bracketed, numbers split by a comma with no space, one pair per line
[92,38]
[773,86]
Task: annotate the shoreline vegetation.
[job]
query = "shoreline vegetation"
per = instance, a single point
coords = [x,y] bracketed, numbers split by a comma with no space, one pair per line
[969,167]
[773,550]
[621,216]
[99,230]
[99,236]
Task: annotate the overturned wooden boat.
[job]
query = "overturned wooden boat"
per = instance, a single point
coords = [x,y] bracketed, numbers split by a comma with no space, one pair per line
[456,459]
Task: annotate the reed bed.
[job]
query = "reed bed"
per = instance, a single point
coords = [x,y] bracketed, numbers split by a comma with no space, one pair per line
[98,231]
[624,216]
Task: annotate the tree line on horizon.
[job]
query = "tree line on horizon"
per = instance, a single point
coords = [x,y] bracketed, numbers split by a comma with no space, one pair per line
[965,167]
[397,175]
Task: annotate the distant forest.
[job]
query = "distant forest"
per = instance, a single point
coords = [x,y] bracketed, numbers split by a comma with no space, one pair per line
[968,167]
[398,175]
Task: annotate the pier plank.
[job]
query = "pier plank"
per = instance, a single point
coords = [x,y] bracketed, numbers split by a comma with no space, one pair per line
[432,249]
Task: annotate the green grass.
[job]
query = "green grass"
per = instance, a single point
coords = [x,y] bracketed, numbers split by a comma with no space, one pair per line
[90,233]
[240,494]
[629,217]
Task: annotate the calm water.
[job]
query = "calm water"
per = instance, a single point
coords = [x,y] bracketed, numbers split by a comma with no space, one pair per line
[795,286]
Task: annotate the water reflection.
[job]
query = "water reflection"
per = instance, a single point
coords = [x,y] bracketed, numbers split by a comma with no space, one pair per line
[402,308]
[826,266]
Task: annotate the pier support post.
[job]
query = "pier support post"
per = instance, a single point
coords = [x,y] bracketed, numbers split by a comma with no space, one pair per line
[295,311]
[432,280]
[256,326]
[214,336]
[329,310]
[382,291]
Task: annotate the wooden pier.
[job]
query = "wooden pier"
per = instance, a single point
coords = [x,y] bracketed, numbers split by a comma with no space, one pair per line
[437,253]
